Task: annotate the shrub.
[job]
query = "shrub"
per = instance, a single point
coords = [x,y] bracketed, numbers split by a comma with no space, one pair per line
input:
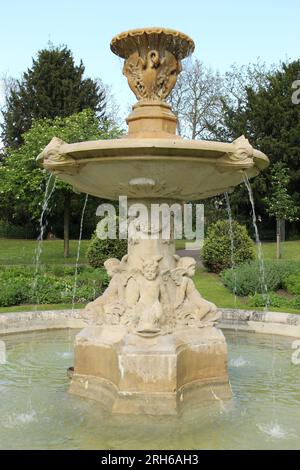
[100,250]
[14,291]
[274,300]
[291,283]
[20,285]
[247,278]
[217,252]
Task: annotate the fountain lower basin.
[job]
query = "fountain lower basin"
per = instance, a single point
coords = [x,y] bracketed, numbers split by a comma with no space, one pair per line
[38,413]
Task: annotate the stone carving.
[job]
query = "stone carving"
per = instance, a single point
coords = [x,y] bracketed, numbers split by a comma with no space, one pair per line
[152,77]
[148,188]
[149,300]
[242,153]
[147,296]
[55,160]
[189,305]
[243,150]
[52,151]
[124,44]
[109,307]
[152,60]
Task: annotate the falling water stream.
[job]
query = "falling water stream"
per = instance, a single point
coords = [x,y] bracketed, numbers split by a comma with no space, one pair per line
[229,212]
[264,286]
[50,186]
[78,251]
[273,426]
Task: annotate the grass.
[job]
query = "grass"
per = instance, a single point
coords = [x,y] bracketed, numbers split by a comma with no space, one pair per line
[30,308]
[211,288]
[18,252]
[290,250]
[13,252]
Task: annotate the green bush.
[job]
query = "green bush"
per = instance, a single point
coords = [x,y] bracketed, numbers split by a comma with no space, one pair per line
[247,278]
[291,283]
[274,300]
[14,292]
[100,250]
[21,285]
[217,251]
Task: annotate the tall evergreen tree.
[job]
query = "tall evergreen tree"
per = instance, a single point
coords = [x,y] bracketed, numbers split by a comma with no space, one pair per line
[53,86]
[271,122]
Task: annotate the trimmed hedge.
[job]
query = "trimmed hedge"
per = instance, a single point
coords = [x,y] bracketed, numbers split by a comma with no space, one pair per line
[217,250]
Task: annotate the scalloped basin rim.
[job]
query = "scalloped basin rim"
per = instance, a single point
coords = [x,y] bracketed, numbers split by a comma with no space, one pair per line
[161,147]
[180,169]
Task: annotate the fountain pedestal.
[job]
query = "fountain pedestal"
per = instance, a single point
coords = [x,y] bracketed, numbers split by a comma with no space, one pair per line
[159,375]
[152,345]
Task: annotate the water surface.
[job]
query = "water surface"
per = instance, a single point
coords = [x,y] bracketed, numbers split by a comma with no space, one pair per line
[37,412]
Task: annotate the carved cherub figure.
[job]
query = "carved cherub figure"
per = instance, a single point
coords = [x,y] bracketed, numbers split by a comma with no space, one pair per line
[190,307]
[110,306]
[145,295]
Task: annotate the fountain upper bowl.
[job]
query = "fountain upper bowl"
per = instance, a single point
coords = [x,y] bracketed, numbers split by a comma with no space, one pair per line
[143,39]
[156,168]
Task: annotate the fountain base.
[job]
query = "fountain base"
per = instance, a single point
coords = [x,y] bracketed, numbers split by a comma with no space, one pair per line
[158,375]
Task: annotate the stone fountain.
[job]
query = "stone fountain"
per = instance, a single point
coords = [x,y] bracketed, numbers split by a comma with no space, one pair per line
[151,344]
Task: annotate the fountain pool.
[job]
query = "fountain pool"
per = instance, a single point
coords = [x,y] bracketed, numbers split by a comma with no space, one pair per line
[37,412]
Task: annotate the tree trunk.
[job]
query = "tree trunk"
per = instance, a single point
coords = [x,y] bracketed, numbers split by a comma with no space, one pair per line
[278,238]
[67,226]
[282,230]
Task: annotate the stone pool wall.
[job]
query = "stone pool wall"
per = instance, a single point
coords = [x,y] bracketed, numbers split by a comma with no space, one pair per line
[283,324]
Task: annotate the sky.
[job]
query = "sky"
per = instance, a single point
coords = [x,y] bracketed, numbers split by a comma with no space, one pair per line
[224,32]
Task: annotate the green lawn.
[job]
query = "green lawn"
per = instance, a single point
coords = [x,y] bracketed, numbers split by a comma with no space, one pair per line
[212,289]
[290,250]
[23,252]
[29,308]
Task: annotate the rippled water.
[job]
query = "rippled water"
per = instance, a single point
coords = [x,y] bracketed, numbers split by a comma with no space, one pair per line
[37,412]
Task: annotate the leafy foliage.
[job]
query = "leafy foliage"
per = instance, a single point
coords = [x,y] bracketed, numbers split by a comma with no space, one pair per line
[274,300]
[246,279]
[21,285]
[279,203]
[23,182]
[217,248]
[53,86]
[292,283]
[100,250]
[271,122]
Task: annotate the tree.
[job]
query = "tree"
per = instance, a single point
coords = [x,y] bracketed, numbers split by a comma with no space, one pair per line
[23,182]
[279,203]
[53,86]
[196,101]
[271,122]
